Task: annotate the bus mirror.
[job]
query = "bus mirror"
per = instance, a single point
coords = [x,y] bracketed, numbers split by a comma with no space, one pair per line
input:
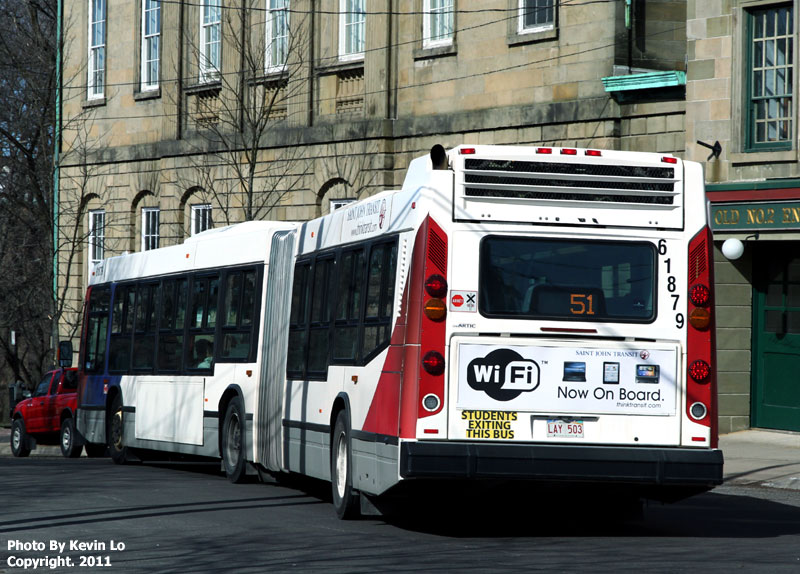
[65,354]
[732,249]
[439,157]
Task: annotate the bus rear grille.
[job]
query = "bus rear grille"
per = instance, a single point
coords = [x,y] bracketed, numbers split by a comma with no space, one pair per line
[697,261]
[567,196]
[586,182]
[570,168]
[437,250]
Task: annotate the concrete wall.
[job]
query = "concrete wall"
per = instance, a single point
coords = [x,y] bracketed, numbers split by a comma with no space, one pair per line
[734,314]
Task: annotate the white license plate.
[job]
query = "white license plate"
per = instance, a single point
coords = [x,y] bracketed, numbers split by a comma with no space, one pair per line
[565,429]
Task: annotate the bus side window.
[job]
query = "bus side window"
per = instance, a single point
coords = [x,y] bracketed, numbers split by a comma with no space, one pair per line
[170,337]
[349,294]
[119,352]
[296,353]
[97,331]
[319,328]
[203,321]
[237,312]
[144,336]
[380,298]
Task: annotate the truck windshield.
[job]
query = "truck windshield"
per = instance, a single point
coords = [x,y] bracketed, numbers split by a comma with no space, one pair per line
[579,280]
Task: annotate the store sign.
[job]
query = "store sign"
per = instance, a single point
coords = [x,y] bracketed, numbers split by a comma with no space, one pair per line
[772,215]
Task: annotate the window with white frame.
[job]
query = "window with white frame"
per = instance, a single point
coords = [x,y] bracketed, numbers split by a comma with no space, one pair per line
[339,203]
[210,39]
[536,15]
[151,39]
[437,24]
[97,235]
[150,230]
[97,49]
[352,29]
[201,218]
[277,35]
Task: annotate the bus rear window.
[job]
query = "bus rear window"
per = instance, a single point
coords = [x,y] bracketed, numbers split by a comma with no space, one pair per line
[533,278]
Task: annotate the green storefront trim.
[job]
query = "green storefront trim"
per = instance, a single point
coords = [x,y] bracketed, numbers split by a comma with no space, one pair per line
[753,185]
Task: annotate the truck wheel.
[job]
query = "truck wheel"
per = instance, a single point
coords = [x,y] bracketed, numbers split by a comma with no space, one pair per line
[233,442]
[69,448]
[115,433]
[345,499]
[19,439]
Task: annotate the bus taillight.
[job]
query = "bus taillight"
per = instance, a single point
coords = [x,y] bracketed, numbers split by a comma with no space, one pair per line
[699,295]
[433,363]
[434,311]
[436,286]
[700,371]
[701,391]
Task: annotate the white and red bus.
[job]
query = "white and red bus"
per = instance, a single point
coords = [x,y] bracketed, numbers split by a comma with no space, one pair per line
[523,313]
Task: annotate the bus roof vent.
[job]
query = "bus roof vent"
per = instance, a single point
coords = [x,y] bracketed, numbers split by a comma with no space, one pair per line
[615,189]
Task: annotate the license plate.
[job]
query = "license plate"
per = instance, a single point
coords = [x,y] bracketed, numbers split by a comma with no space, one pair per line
[565,429]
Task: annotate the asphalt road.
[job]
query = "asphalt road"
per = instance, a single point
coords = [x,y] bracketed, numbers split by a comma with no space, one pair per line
[163,518]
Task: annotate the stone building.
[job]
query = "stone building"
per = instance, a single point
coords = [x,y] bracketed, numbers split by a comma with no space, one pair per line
[179,116]
[740,93]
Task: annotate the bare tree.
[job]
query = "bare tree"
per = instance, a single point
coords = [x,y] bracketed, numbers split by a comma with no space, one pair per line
[244,158]
[27,119]
[31,242]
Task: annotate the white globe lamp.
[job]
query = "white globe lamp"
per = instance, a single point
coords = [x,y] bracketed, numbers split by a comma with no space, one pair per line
[732,249]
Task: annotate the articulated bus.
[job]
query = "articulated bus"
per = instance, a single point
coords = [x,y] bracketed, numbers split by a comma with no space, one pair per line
[516,313]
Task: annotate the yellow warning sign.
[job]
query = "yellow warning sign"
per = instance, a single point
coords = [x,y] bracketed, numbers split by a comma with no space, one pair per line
[489,424]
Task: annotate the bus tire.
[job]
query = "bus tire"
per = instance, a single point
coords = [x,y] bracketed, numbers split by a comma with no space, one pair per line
[345,498]
[233,443]
[66,439]
[19,439]
[115,433]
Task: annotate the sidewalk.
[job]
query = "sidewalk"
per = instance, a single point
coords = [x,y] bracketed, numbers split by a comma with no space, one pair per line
[762,458]
[752,457]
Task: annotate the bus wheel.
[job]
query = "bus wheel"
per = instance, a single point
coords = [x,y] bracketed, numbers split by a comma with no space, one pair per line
[19,439]
[115,433]
[233,452]
[345,499]
[67,440]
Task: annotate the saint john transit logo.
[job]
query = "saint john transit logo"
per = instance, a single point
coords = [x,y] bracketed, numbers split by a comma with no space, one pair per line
[503,374]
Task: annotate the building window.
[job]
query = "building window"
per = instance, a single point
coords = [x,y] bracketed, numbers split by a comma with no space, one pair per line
[150,233]
[536,15]
[201,218]
[339,203]
[437,24]
[97,235]
[277,35]
[97,48]
[770,76]
[151,37]
[210,40]
[352,20]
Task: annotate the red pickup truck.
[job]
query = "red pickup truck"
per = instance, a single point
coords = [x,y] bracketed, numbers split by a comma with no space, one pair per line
[48,417]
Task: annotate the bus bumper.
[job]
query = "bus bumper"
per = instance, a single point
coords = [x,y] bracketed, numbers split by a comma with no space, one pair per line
[597,464]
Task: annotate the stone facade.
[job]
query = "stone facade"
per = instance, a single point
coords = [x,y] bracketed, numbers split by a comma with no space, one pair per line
[743,177]
[339,128]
